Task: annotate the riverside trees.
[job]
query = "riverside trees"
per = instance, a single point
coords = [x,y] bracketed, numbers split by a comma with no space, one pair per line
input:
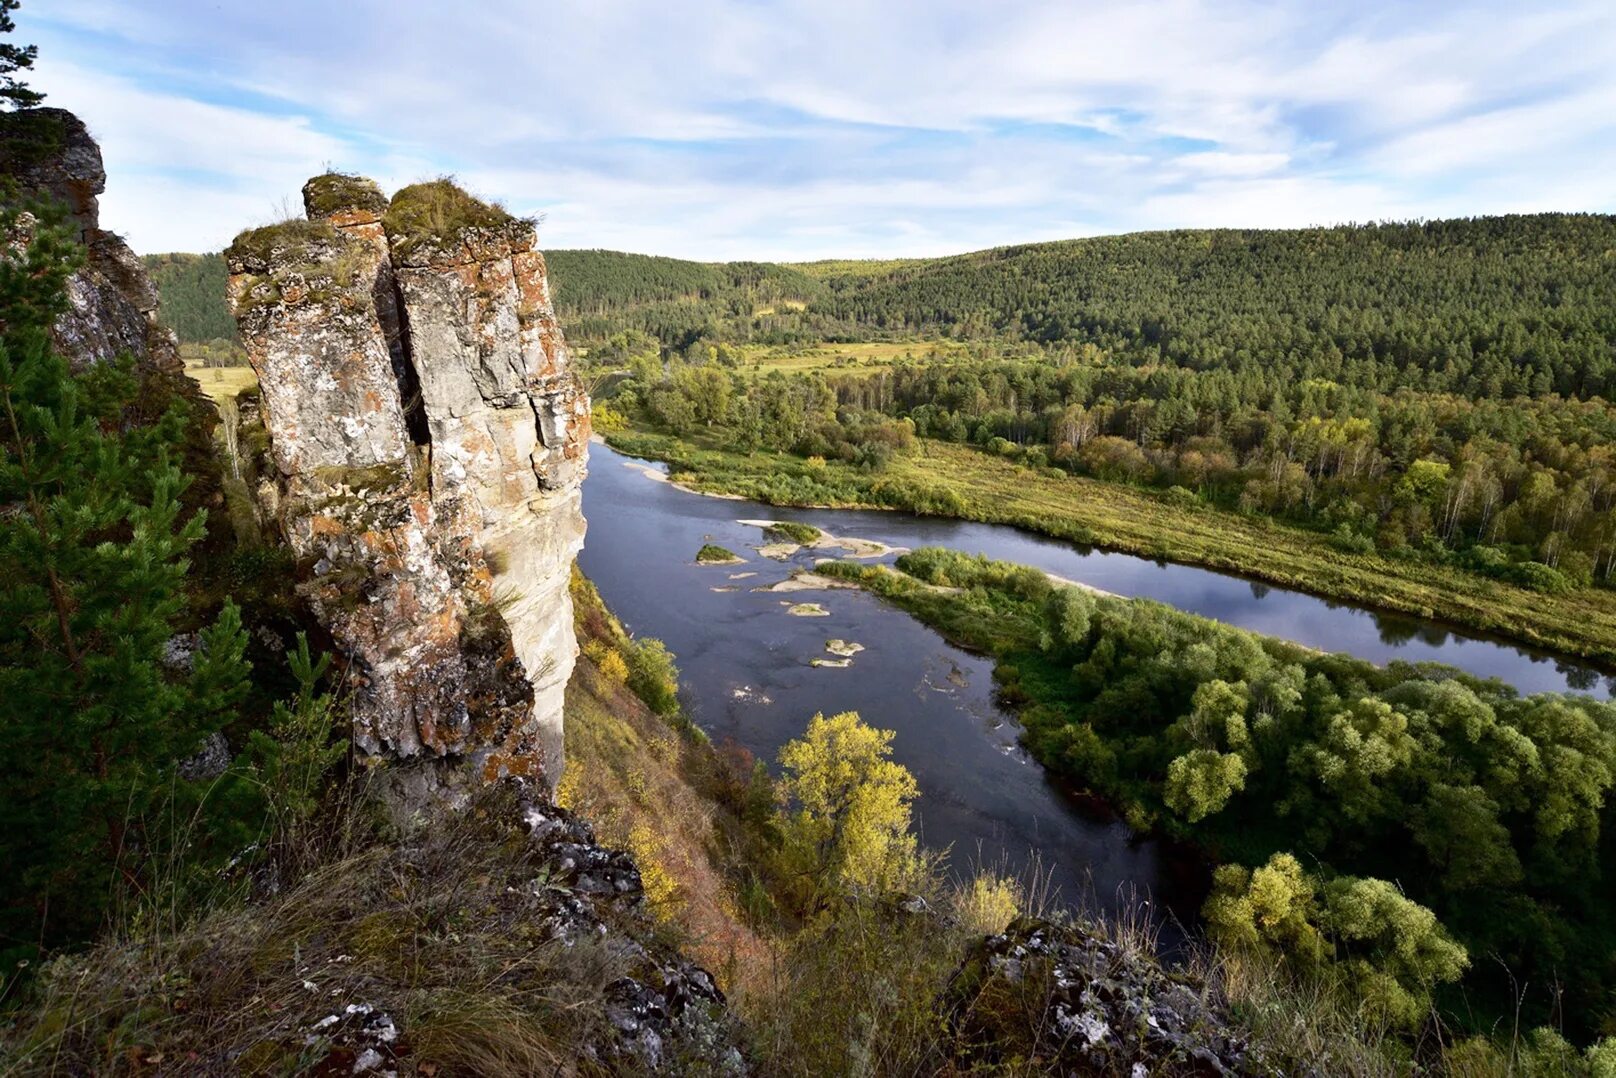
[1390,820]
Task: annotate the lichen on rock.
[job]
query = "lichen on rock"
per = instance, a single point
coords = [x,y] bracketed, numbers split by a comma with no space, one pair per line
[1065,998]
[431,439]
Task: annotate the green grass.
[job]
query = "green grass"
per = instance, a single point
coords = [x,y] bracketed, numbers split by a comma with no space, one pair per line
[257,244]
[951,480]
[854,358]
[437,212]
[792,532]
[219,383]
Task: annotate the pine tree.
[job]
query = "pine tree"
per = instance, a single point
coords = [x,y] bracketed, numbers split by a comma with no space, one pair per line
[92,570]
[13,58]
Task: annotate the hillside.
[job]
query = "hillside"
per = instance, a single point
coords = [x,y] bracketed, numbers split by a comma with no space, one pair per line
[193,301]
[599,293]
[1485,307]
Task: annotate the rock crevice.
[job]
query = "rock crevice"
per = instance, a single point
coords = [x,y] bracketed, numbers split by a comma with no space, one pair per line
[430,438]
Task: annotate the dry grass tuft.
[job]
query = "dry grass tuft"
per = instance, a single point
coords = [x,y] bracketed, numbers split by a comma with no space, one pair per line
[443,930]
[437,212]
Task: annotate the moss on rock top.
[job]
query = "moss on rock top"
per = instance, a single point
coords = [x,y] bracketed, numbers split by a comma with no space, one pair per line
[334,192]
[258,244]
[438,211]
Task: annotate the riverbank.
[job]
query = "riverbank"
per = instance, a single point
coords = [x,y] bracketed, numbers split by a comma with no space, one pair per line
[955,481]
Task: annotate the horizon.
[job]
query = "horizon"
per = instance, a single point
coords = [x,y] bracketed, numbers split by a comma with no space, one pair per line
[1413,221]
[796,132]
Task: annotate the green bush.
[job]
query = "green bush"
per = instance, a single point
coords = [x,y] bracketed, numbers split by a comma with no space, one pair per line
[1348,540]
[793,532]
[652,676]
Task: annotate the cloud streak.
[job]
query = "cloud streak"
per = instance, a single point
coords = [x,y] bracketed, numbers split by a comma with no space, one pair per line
[816,128]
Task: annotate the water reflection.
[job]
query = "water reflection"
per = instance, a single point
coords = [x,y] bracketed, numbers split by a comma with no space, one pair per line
[1275,611]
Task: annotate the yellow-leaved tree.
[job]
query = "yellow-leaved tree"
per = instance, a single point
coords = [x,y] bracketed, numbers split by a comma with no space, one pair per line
[844,812]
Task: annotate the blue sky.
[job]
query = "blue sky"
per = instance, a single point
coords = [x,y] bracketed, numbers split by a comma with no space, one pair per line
[797,129]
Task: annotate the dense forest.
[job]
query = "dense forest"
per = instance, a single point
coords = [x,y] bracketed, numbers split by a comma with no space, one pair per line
[1440,388]
[1520,490]
[1489,307]
[600,293]
[192,288]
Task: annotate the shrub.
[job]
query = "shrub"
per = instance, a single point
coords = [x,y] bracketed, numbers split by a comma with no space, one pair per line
[1539,577]
[613,668]
[1345,539]
[1363,935]
[652,675]
[988,905]
[793,531]
[712,554]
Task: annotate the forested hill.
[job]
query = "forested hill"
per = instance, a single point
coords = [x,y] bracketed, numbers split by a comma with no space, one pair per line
[192,288]
[1487,307]
[598,293]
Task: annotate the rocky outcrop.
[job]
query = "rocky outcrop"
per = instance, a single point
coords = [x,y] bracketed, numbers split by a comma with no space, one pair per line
[112,303]
[503,939]
[429,438]
[1066,999]
[507,417]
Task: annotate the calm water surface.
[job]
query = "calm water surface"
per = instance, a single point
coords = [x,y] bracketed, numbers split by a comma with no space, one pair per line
[746,664]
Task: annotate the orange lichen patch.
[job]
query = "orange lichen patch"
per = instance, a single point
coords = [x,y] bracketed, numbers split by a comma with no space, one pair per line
[362,222]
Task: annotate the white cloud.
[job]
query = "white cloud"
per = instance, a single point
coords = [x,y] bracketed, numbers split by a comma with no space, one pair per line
[722,128]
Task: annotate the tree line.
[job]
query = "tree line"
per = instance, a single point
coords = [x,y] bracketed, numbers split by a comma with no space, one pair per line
[1482,308]
[1522,489]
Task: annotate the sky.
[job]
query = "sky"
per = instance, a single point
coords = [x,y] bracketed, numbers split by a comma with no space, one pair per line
[803,129]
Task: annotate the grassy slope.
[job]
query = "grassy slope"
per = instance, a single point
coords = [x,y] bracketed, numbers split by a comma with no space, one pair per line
[1140,522]
[629,773]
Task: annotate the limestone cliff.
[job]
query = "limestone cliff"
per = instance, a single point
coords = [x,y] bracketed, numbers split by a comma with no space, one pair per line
[112,303]
[430,439]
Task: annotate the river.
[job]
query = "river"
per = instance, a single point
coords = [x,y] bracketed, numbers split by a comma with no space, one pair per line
[748,674]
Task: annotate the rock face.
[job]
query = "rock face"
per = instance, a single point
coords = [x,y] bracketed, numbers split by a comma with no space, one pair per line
[430,439]
[508,421]
[113,304]
[1063,999]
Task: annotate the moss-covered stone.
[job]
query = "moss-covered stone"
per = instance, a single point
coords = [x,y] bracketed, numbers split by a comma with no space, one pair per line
[258,246]
[437,212]
[335,192]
